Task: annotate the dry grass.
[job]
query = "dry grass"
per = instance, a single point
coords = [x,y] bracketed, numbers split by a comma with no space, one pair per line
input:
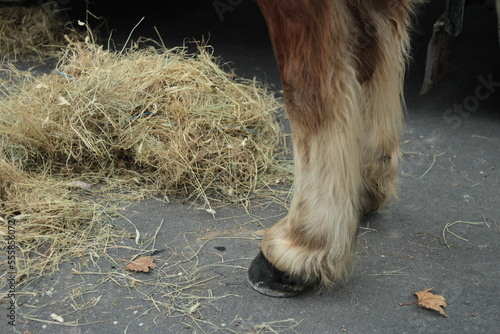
[177,119]
[31,33]
[446,229]
[139,122]
[52,222]
[179,289]
[105,127]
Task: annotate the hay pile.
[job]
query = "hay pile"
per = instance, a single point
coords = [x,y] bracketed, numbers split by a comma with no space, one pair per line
[161,121]
[32,33]
[177,120]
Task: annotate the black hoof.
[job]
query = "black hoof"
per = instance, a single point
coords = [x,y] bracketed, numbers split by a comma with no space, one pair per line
[263,277]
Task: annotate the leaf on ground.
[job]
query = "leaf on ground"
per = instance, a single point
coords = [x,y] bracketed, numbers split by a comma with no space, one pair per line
[428,300]
[143,264]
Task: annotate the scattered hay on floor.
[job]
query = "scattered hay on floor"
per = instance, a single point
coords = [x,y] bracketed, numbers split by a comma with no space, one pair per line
[32,33]
[179,289]
[142,121]
[48,222]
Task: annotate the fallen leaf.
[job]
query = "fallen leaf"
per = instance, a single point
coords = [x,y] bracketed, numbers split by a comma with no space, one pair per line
[428,300]
[143,264]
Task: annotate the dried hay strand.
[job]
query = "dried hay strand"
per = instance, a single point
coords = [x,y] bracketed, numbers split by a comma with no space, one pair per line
[32,33]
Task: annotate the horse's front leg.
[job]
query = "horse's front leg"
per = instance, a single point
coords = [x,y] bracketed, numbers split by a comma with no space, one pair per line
[345,149]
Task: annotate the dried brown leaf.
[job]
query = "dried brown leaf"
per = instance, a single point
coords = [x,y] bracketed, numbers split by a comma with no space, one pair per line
[143,264]
[428,300]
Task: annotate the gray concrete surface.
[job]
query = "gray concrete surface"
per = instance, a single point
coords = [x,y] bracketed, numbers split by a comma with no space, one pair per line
[449,173]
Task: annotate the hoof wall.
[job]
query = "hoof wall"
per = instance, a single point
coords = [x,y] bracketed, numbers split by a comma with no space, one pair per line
[263,277]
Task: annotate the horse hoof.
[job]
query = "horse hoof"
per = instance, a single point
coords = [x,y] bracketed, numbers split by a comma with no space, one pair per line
[263,277]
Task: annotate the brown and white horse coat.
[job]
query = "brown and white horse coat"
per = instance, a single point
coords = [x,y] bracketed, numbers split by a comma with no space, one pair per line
[341,64]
